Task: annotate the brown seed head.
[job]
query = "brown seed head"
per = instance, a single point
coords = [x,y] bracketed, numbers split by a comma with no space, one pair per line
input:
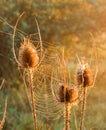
[61,93]
[88,78]
[84,76]
[79,75]
[71,95]
[28,57]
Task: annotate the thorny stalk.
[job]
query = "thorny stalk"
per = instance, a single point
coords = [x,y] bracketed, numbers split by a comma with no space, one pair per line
[32,98]
[4,116]
[66,105]
[66,116]
[2,83]
[83,107]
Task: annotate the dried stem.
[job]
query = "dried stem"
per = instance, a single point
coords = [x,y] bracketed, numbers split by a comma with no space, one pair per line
[83,107]
[64,76]
[67,105]
[4,116]
[66,116]
[26,87]
[41,47]
[2,83]
[13,38]
[32,97]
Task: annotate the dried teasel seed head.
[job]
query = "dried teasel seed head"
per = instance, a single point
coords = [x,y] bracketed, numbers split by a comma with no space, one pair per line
[28,56]
[84,76]
[71,95]
[61,93]
[79,74]
[88,78]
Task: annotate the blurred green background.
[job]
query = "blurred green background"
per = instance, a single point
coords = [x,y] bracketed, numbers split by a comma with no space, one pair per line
[77,25]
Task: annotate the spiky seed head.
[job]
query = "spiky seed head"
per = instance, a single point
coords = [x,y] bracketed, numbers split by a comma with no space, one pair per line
[88,78]
[79,74]
[61,93]
[84,75]
[70,96]
[28,56]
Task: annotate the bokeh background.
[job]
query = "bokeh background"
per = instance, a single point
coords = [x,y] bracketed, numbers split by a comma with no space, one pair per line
[77,25]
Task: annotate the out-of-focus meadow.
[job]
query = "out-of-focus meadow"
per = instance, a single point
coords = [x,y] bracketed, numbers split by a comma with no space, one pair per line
[78,26]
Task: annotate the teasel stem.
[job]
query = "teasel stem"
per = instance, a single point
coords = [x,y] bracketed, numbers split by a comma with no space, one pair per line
[66,116]
[4,116]
[32,98]
[83,107]
[26,87]
[66,104]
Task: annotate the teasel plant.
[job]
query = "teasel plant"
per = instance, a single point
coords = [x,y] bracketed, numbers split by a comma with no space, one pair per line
[66,95]
[28,60]
[85,80]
